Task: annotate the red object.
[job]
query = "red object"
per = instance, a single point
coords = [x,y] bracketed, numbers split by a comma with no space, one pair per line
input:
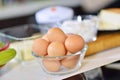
[5,47]
[53,9]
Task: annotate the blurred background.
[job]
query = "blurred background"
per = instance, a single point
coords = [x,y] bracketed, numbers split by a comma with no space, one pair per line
[19,12]
[16,12]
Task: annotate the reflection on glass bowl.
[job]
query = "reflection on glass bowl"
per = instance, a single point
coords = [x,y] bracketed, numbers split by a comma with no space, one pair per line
[61,64]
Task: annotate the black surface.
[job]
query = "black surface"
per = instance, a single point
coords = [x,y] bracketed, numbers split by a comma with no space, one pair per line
[76,77]
[21,31]
[17,21]
[111,74]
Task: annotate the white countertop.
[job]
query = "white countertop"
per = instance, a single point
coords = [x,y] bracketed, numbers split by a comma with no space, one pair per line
[32,71]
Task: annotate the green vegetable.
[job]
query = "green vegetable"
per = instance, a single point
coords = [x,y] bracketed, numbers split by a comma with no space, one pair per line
[7,55]
[1,44]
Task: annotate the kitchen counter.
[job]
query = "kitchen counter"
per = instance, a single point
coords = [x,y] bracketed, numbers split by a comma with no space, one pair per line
[33,71]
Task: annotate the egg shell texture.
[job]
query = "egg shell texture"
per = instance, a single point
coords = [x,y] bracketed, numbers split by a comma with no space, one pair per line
[56,34]
[51,65]
[45,37]
[74,43]
[71,61]
[56,49]
[40,47]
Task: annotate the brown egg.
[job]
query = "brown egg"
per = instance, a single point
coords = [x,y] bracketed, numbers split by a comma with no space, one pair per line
[71,61]
[74,43]
[56,34]
[45,37]
[56,49]
[40,46]
[51,65]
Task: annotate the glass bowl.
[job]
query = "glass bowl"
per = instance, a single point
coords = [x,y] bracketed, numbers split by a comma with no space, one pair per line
[61,64]
[4,43]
